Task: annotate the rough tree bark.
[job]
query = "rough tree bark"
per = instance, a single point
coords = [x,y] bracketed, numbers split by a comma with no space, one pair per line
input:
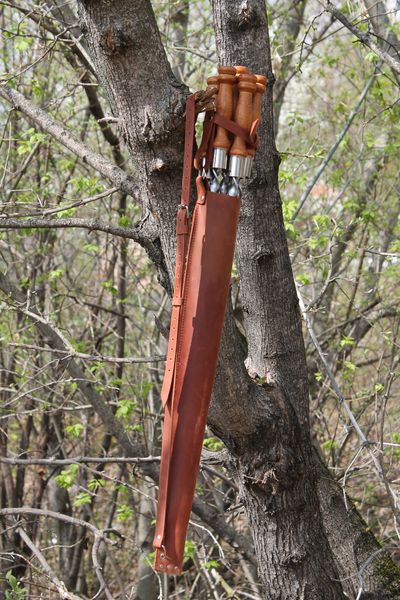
[262,419]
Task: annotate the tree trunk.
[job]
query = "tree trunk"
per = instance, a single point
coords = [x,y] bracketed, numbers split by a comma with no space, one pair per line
[263,420]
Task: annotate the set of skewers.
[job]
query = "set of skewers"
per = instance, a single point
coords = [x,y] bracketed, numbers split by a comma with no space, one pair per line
[237,95]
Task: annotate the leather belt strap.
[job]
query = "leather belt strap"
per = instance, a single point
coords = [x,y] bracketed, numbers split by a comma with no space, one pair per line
[182,237]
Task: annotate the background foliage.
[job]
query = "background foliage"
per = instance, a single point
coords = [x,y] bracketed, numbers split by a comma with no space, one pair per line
[337,107]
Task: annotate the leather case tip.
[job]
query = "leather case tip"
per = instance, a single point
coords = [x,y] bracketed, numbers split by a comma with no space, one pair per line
[163,564]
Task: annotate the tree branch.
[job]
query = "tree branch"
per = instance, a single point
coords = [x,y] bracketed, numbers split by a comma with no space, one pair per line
[62,462]
[56,340]
[364,38]
[130,233]
[60,585]
[40,512]
[111,172]
[335,146]
[128,360]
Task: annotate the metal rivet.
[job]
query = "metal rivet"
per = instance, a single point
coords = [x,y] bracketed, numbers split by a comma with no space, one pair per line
[162,556]
[159,537]
[161,567]
[176,569]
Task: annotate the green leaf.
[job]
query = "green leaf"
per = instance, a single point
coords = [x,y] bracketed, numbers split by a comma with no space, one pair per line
[74,430]
[289,208]
[304,279]
[109,286]
[67,477]
[213,443]
[88,185]
[124,512]
[125,408]
[65,214]
[330,445]
[91,248]
[16,593]
[190,550]
[211,564]
[82,498]
[124,221]
[54,275]
[137,427]
[347,341]
[322,221]
[94,484]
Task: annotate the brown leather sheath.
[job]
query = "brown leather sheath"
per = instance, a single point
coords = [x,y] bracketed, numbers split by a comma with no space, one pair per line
[201,286]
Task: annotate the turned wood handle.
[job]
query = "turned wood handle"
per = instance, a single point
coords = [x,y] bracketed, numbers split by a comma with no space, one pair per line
[212,81]
[244,111]
[240,70]
[260,89]
[224,103]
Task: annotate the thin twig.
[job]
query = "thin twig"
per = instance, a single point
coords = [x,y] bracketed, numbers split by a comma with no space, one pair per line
[62,135]
[336,145]
[73,460]
[60,585]
[365,38]
[95,357]
[41,512]
[130,233]
[364,441]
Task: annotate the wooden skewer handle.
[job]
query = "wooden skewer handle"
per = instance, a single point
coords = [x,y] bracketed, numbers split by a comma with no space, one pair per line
[257,98]
[239,71]
[224,104]
[244,111]
[213,81]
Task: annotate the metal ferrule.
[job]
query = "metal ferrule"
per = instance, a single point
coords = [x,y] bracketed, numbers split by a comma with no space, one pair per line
[248,166]
[220,158]
[236,166]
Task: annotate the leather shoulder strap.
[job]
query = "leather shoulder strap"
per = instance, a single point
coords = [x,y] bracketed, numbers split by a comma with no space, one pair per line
[182,238]
[188,151]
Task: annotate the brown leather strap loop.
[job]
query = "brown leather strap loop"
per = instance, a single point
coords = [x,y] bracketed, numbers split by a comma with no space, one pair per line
[234,128]
[188,151]
[206,140]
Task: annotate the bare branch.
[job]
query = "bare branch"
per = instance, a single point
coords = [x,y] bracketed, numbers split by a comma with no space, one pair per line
[129,233]
[55,340]
[364,38]
[62,462]
[364,443]
[60,585]
[93,357]
[115,174]
[335,146]
[40,512]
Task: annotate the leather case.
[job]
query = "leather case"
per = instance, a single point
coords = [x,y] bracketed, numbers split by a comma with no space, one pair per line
[186,397]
